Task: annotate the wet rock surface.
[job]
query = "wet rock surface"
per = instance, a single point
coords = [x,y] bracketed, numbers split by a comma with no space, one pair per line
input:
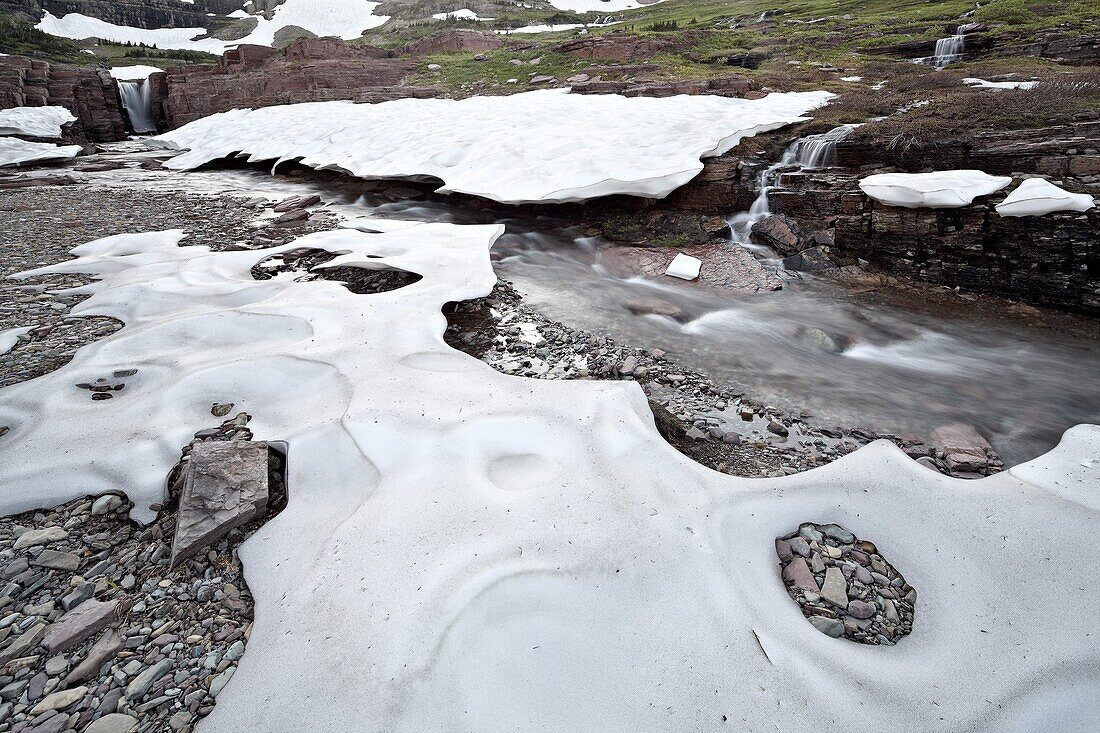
[844,586]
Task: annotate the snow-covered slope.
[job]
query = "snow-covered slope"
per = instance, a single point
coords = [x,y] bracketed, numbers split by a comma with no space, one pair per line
[544,146]
[940,189]
[1036,197]
[460,14]
[468,551]
[20,152]
[136,72]
[34,121]
[597,6]
[345,19]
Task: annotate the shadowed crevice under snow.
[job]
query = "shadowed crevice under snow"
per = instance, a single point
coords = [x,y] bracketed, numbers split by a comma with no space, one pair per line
[469,551]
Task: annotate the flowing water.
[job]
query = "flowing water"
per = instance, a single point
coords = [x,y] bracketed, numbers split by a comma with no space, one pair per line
[892,361]
[137,100]
[947,50]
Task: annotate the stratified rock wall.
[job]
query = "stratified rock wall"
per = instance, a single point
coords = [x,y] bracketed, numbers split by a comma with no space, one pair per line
[90,94]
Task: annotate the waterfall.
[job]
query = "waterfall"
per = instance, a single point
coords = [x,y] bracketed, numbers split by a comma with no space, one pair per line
[809,153]
[137,99]
[815,152]
[947,50]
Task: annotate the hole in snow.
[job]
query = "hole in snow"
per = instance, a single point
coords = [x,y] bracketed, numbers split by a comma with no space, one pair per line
[359,280]
[844,586]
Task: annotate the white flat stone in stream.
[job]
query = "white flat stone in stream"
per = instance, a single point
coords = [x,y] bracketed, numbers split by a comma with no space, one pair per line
[937,190]
[545,146]
[34,121]
[468,551]
[1037,197]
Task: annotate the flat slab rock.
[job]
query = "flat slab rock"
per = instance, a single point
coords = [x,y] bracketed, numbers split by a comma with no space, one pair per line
[225,487]
[725,267]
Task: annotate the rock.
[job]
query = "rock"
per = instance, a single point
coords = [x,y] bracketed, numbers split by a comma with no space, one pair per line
[24,644]
[808,260]
[53,724]
[60,700]
[78,595]
[44,536]
[434,67]
[778,428]
[219,682]
[54,560]
[828,626]
[798,575]
[783,550]
[838,533]
[861,609]
[113,723]
[778,232]
[542,79]
[296,202]
[835,589]
[106,504]
[799,546]
[141,684]
[80,623]
[963,448]
[104,650]
[726,268]
[225,486]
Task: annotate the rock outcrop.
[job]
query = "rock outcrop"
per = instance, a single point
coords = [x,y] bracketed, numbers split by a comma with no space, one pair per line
[308,70]
[90,94]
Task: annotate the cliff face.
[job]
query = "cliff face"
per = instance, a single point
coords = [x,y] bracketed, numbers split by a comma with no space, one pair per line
[90,94]
[309,70]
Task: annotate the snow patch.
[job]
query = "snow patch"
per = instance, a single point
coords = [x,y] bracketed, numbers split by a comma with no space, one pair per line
[983,84]
[1036,197]
[940,189]
[461,14]
[136,72]
[34,121]
[468,551]
[14,152]
[684,267]
[598,6]
[536,147]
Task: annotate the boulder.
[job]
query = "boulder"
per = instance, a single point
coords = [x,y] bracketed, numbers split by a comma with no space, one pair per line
[725,267]
[963,448]
[225,486]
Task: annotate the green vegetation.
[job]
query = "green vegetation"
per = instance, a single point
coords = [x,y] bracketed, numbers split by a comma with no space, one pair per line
[19,37]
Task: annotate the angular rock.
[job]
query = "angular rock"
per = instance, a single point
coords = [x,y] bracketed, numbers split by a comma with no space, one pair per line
[55,560]
[43,536]
[104,650]
[225,487]
[113,723]
[23,644]
[80,623]
[60,700]
[963,448]
[797,573]
[861,609]
[726,267]
[835,588]
[828,626]
[141,684]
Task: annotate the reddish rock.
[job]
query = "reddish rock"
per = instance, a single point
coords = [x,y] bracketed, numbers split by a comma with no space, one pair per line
[90,94]
[453,41]
[797,574]
[619,46]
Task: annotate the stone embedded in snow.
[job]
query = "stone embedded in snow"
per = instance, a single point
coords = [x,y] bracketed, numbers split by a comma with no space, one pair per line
[1036,197]
[34,121]
[14,152]
[963,448]
[835,588]
[939,190]
[136,72]
[225,487]
[461,545]
[684,267]
[544,146]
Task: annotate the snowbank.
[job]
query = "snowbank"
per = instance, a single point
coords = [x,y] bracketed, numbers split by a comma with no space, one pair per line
[597,6]
[461,14]
[345,19]
[536,147]
[34,121]
[1036,197]
[941,189]
[136,72]
[468,551]
[541,28]
[15,152]
[983,84]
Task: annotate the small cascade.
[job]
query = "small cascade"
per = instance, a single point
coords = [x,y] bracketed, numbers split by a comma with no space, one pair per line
[947,50]
[137,100]
[815,152]
[812,152]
